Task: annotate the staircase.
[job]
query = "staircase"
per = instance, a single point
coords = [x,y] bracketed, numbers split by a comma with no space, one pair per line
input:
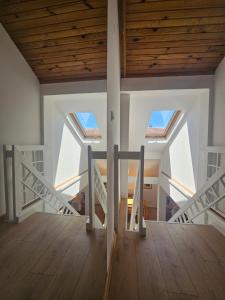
[208,196]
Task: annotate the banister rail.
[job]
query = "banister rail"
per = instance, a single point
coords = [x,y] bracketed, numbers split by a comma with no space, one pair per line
[138,201]
[212,192]
[37,183]
[70,182]
[30,190]
[96,187]
[215,157]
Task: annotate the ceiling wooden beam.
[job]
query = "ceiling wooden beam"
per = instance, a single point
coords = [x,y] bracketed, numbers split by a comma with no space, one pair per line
[122,26]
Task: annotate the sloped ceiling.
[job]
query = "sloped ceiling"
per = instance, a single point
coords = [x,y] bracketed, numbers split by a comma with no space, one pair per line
[177,37]
[62,40]
[65,40]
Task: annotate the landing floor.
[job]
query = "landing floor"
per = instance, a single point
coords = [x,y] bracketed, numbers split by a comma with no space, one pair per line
[173,262]
[52,257]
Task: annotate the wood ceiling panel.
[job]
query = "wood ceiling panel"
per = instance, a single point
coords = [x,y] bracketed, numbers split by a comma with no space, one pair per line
[60,39]
[174,37]
[67,39]
[166,5]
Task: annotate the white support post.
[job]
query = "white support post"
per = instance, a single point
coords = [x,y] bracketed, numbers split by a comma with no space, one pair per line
[9,186]
[17,179]
[142,229]
[6,188]
[90,223]
[113,112]
[116,189]
[124,142]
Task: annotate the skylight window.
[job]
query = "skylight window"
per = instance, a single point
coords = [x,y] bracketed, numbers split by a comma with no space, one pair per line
[161,122]
[87,120]
[86,124]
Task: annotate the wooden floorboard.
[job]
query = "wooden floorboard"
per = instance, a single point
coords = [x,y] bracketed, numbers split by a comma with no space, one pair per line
[173,262]
[52,257]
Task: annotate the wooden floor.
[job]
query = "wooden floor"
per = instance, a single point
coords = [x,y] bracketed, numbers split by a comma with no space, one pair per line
[174,262]
[52,257]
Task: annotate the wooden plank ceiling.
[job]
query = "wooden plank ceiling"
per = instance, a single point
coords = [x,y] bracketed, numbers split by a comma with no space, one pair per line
[65,40]
[62,40]
[172,37]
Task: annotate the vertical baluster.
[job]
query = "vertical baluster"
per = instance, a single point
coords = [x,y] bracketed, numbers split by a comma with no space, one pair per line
[142,229]
[116,188]
[17,182]
[91,173]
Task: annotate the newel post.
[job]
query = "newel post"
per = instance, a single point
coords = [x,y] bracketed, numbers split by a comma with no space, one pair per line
[17,183]
[90,223]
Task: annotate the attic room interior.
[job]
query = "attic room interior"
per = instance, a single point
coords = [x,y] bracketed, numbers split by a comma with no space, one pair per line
[112,149]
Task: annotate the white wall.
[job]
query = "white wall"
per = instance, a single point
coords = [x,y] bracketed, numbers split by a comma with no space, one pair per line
[76,87]
[66,152]
[219,106]
[142,103]
[167,83]
[19,101]
[181,159]
[19,96]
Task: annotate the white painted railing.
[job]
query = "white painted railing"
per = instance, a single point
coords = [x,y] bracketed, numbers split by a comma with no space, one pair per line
[138,206]
[34,154]
[96,190]
[100,189]
[73,181]
[215,157]
[29,187]
[136,199]
[208,196]
[215,160]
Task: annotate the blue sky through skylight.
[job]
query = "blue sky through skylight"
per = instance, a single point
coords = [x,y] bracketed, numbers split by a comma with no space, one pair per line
[87,120]
[160,118]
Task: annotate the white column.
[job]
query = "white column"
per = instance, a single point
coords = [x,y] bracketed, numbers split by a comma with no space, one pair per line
[2,182]
[219,106]
[124,142]
[113,112]
[8,179]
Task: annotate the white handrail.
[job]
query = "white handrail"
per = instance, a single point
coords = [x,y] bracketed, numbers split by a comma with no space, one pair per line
[30,147]
[73,181]
[217,178]
[215,149]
